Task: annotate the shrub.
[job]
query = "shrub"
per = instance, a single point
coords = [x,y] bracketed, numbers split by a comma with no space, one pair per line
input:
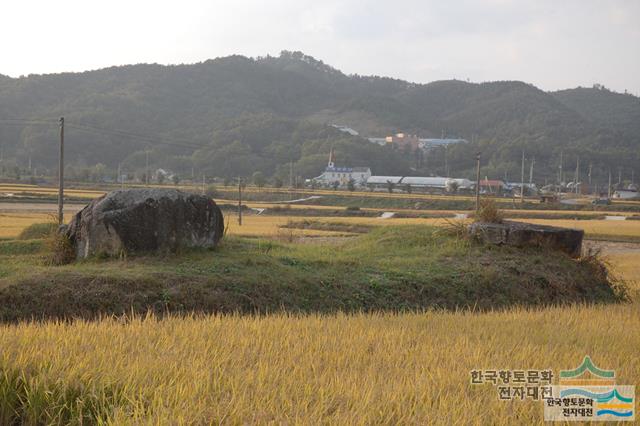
[601,270]
[488,212]
[59,249]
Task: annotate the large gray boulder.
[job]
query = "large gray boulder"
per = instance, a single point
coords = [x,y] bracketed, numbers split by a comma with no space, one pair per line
[521,234]
[145,221]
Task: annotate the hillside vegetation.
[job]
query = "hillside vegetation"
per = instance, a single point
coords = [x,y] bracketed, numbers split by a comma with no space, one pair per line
[235,115]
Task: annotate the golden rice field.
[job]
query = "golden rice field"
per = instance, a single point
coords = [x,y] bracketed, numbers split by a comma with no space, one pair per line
[41,190]
[11,224]
[315,369]
[278,369]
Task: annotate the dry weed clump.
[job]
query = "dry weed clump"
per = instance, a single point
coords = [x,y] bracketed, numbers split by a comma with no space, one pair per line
[488,212]
[59,250]
[602,270]
[455,228]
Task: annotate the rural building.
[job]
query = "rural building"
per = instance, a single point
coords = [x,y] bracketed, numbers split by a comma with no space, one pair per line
[489,186]
[345,129]
[404,141]
[342,175]
[516,187]
[425,184]
[435,143]
[626,194]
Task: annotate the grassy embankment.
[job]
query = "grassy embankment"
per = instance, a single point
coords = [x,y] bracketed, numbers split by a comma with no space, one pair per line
[390,268]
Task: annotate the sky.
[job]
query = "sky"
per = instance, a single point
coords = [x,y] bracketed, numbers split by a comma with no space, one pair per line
[552,44]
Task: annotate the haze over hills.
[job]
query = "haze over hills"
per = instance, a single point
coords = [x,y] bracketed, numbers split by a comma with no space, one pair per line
[235,115]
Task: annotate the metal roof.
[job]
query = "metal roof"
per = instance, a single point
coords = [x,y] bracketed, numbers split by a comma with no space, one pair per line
[433,182]
[383,179]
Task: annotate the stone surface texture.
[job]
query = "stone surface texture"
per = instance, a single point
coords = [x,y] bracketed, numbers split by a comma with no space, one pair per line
[520,234]
[137,221]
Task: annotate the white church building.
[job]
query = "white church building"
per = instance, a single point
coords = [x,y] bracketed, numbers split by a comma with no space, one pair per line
[342,175]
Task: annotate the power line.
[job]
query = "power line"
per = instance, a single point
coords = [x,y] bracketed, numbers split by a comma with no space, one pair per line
[104,132]
[27,122]
[127,135]
[141,137]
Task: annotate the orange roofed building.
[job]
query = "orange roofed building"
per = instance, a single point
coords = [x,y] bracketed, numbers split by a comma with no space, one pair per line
[404,141]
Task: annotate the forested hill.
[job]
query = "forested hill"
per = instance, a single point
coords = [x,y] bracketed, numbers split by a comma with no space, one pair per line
[618,111]
[235,115]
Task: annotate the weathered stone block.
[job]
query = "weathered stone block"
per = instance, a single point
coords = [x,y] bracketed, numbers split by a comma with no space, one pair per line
[527,234]
[143,221]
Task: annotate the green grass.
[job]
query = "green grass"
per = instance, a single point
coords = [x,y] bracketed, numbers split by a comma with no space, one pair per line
[38,230]
[390,268]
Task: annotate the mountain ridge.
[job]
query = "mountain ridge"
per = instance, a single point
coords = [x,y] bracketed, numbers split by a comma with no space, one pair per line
[291,99]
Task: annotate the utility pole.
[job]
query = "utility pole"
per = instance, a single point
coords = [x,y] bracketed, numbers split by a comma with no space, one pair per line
[577,176]
[522,181]
[119,177]
[478,182]
[446,166]
[291,174]
[561,177]
[239,201]
[61,174]
[203,181]
[609,189]
[146,173]
[619,175]
[533,161]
